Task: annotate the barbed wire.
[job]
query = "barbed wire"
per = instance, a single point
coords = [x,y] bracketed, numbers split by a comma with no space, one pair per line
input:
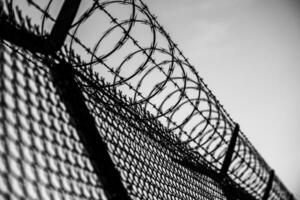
[122,41]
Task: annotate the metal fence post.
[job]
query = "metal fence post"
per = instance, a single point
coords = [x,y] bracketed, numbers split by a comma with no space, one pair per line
[230,150]
[72,97]
[269,185]
[41,44]
[292,197]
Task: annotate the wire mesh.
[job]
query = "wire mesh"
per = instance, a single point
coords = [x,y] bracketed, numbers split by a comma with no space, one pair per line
[43,157]
[123,42]
[41,154]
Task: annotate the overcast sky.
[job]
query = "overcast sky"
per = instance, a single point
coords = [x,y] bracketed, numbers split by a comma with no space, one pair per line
[248,52]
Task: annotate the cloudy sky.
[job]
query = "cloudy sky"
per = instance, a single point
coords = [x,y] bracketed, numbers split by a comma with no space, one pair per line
[248,52]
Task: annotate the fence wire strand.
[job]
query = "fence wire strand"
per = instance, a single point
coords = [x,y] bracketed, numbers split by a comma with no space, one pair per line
[164,113]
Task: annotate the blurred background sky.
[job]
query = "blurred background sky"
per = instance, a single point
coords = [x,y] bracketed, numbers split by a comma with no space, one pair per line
[248,52]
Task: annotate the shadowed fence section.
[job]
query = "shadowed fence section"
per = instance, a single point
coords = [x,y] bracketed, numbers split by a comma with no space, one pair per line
[68,133]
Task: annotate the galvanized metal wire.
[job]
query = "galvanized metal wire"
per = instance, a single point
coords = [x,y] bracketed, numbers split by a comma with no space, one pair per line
[165,107]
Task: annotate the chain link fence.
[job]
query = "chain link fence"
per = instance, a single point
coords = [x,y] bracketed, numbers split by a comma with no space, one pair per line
[150,129]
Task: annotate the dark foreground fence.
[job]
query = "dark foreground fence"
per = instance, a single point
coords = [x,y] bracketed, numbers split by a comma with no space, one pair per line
[66,133]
